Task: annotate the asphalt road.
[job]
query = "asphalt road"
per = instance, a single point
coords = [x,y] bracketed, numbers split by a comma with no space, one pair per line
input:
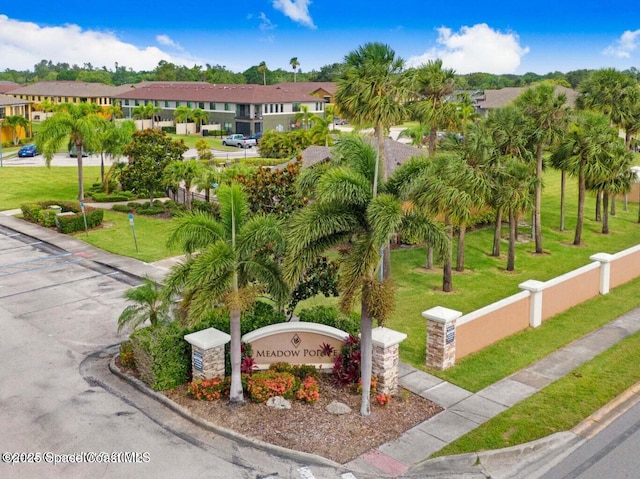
[58,401]
[611,454]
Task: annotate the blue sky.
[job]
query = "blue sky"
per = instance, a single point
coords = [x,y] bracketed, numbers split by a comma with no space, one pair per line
[495,37]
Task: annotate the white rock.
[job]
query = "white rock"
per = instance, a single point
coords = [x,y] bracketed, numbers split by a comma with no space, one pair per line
[338,408]
[278,402]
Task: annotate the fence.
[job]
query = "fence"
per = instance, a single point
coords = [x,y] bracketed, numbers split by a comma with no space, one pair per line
[452,335]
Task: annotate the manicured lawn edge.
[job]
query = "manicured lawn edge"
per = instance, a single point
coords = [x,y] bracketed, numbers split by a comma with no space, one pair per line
[561,405]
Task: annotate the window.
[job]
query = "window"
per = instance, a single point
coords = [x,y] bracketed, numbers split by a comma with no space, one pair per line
[136,102]
[296,107]
[281,108]
[201,105]
[156,103]
[271,108]
[166,103]
[227,107]
[3,112]
[228,126]
[212,106]
[188,104]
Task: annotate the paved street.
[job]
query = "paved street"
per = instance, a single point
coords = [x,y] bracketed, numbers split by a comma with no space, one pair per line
[58,313]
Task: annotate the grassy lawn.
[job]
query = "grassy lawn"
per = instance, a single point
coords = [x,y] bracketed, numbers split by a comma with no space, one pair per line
[214,142]
[116,236]
[561,405]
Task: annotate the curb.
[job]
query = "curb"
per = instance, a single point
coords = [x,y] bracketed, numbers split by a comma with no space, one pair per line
[229,434]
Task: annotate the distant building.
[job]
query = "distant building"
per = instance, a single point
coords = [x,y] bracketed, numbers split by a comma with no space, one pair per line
[492,99]
[10,106]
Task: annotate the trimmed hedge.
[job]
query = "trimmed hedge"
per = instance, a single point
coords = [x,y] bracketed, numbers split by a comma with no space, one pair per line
[112,197]
[41,213]
[330,316]
[162,356]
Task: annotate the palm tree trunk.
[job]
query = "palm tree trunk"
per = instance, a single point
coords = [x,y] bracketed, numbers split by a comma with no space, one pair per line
[433,137]
[581,194]
[366,355]
[429,260]
[235,393]
[613,205]
[563,179]
[80,172]
[605,216]
[598,206]
[496,234]
[447,275]
[511,255]
[460,256]
[538,202]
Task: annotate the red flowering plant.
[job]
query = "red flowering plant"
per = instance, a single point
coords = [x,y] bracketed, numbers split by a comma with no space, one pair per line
[346,367]
[309,390]
[383,399]
[264,385]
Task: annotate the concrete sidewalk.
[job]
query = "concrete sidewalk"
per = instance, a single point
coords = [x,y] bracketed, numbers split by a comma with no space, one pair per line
[463,410]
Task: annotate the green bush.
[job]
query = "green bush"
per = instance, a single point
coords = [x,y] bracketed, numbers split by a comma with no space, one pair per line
[330,316]
[169,129]
[126,354]
[71,224]
[151,210]
[263,314]
[162,356]
[206,206]
[31,212]
[48,217]
[121,208]
[105,198]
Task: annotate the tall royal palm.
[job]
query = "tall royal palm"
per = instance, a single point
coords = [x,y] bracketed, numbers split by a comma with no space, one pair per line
[372,90]
[549,118]
[73,123]
[229,262]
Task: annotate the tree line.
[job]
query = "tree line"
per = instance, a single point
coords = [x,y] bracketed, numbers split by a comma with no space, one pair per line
[262,74]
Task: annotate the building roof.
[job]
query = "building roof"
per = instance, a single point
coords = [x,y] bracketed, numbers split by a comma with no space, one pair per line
[397,153]
[6,100]
[69,89]
[227,93]
[504,96]
[310,86]
[6,86]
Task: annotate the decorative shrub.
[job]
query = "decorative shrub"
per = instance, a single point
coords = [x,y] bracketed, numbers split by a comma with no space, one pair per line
[119,196]
[31,212]
[48,217]
[267,384]
[71,224]
[346,367]
[373,387]
[309,390]
[162,356]
[383,399]
[66,224]
[330,316]
[126,354]
[209,389]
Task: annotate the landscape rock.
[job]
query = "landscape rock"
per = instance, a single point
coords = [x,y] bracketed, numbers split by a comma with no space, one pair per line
[278,402]
[338,408]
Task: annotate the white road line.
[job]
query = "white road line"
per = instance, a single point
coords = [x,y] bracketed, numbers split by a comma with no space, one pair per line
[305,473]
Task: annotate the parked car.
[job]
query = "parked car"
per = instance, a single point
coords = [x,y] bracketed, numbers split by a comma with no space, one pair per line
[239,140]
[73,153]
[28,150]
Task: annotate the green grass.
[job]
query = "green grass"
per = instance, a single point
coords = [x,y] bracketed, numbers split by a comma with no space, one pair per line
[116,236]
[20,185]
[561,405]
[190,141]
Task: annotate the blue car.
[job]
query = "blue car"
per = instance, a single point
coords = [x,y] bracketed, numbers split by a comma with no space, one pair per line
[28,150]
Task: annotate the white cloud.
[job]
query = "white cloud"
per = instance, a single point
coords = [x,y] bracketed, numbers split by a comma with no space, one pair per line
[625,45]
[296,10]
[265,23]
[23,44]
[479,48]
[168,42]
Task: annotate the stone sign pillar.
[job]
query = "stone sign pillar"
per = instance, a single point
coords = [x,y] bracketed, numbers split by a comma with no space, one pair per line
[207,353]
[386,352]
[441,337]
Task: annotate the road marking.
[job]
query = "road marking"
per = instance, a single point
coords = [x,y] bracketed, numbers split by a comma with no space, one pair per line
[348,475]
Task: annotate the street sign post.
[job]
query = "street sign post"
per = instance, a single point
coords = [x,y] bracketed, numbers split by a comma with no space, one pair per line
[133,230]
[84,216]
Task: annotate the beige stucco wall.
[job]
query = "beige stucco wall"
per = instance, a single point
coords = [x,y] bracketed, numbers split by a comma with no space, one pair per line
[480,333]
[568,293]
[625,268]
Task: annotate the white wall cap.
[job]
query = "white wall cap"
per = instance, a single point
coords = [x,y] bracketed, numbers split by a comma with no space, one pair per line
[602,257]
[207,338]
[532,285]
[385,337]
[441,314]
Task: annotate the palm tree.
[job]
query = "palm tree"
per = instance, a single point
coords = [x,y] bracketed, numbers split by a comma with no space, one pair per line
[15,123]
[549,115]
[582,152]
[183,114]
[184,172]
[110,140]
[418,134]
[432,85]
[114,110]
[199,116]
[148,110]
[448,186]
[346,211]
[294,65]
[262,68]
[72,123]
[229,262]
[372,91]
[148,303]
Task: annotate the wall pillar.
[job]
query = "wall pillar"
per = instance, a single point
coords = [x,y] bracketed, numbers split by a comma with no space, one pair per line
[605,260]
[441,337]
[207,353]
[386,358]
[535,288]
